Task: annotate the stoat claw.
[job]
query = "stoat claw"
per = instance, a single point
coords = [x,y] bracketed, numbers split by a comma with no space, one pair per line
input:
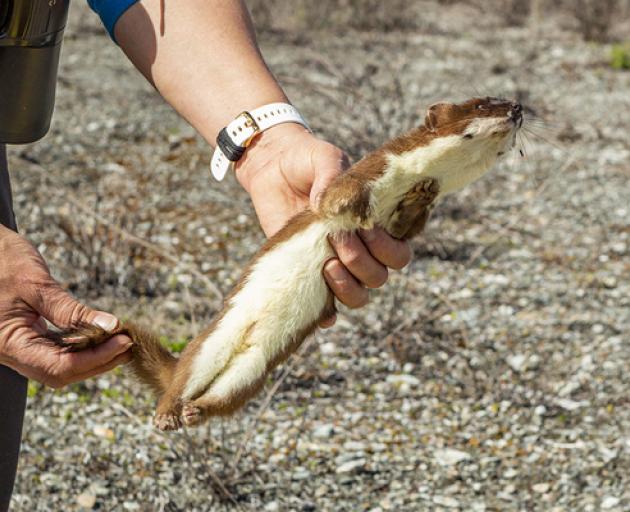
[166,422]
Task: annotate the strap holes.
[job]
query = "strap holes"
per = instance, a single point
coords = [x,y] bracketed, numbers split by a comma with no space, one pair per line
[234,133]
[240,128]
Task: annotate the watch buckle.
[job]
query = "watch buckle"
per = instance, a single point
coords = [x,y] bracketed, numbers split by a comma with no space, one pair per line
[250,122]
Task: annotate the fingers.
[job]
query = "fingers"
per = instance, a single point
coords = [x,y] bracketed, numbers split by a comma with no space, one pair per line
[123,358]
[344,286]
[328,322]
[66,367]
[356,257]
[56,305]
[388,250]
[362,262]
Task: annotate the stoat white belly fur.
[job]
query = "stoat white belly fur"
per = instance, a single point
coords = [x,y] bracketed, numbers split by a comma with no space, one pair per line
[282,295]
[283,292]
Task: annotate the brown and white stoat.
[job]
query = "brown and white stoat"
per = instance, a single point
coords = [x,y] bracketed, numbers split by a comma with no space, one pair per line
[282,295]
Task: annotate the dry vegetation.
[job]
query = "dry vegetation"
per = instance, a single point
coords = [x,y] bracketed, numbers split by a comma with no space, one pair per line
[593,19]
[491,374]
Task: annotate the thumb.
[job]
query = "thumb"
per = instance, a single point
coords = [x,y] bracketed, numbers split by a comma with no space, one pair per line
[65,312]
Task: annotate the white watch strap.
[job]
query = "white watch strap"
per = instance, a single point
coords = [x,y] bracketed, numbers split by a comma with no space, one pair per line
[237,135]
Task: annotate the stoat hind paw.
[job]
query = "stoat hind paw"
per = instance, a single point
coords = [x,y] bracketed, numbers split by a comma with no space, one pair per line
[192,415]
[167,421]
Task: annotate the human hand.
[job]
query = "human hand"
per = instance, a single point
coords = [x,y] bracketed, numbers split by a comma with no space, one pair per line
[28,295]
[285,170]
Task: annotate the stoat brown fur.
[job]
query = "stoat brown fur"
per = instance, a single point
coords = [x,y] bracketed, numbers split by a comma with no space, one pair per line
[282,294]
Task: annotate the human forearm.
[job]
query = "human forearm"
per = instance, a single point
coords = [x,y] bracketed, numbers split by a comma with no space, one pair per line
[202,57]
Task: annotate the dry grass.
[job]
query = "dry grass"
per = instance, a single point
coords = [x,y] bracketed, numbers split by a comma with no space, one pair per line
[593,19]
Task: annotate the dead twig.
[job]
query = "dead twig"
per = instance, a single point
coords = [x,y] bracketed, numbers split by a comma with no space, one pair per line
[160,251]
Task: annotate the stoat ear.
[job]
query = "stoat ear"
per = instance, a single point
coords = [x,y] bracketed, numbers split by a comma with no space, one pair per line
[435,114]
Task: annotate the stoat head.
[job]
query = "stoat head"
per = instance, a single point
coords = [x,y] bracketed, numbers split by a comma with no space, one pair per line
[487,119]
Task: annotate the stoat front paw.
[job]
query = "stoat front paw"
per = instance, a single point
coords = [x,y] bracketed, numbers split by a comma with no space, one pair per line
[353,202]
[167,421]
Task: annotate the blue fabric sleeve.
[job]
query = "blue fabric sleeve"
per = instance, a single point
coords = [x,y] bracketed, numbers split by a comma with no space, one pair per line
[110,11]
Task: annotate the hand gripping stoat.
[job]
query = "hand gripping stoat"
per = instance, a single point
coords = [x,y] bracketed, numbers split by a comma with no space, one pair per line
[282,294]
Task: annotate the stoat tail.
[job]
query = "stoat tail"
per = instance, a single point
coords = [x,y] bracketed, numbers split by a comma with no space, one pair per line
[151,362]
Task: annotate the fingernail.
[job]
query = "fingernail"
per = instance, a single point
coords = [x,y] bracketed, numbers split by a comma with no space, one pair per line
[122,343]
[105,321]
[336,271]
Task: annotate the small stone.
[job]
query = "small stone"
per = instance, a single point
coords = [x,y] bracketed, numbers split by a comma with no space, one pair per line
[450,456]
[517,362]
[86,500]
[540,410]
[541,488]
[597,328]
[350,466]
[408,367]
[272,506]
[398,380]
[610,502]
[619,247]
[323,431]
[113,167]
[509,489]
[102,431]
[505,310]
[300,473]
[446,501]
[533,362]
[570,405]
[328,348]
[510,473]
[354,446]
[322,490]
[569,388]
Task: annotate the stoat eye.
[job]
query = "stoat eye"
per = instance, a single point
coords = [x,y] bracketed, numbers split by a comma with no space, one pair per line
[468,136]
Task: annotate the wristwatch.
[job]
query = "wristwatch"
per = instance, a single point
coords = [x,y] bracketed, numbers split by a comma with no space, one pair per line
[236,136]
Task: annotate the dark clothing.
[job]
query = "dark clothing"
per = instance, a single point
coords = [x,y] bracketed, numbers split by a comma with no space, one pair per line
[6,202]
[12,384]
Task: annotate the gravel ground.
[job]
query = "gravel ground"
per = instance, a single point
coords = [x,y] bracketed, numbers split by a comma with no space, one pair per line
[491,374]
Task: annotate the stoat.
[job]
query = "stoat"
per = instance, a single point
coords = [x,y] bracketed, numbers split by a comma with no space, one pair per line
[282,295]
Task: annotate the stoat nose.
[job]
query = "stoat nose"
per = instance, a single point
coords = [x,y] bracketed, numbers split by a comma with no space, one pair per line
[516,111]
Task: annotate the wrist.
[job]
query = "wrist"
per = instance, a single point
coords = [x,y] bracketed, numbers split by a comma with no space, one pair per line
[266,150]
